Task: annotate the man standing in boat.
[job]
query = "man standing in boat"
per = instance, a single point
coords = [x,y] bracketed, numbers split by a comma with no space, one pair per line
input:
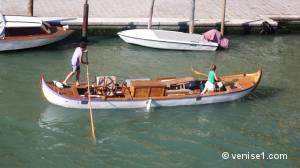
[76,60]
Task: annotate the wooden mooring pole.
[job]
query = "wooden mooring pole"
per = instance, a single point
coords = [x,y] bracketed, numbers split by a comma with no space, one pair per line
[192,17]
[85,21]
[223,18]
[30,8]
[151,15]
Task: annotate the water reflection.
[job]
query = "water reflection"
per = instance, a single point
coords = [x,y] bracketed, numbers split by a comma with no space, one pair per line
[55,118]
[54,114]
[263,93]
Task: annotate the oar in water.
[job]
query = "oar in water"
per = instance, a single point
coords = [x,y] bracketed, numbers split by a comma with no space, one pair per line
[90,105]
[84,37]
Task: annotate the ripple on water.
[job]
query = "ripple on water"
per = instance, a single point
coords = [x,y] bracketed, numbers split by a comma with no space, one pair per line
[194,136]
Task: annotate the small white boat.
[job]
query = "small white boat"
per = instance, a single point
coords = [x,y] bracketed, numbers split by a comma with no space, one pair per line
[164,39]
[21,32]
[161,92]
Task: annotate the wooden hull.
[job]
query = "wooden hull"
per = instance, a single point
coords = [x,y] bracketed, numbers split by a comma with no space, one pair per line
[165,101]
[163,39]
[25,42]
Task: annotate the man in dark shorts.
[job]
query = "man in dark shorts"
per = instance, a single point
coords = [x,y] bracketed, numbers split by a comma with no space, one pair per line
[76,60]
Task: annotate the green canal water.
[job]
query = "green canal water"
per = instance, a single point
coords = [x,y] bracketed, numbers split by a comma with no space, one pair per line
[34,133]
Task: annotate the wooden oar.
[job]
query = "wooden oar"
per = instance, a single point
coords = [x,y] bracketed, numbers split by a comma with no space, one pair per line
[84,37]
[90,104]
[198,72]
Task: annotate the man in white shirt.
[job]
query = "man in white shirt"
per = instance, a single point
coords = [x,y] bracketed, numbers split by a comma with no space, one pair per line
[76,60]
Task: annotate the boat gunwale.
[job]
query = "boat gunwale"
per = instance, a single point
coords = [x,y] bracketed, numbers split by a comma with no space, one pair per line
[60,32]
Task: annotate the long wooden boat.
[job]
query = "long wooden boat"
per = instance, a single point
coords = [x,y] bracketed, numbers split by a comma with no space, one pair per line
[108,94]
[164,39]
[21,32]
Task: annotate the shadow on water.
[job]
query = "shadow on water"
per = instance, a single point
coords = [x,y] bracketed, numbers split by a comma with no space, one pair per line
[54,113]
[263,93]
[183,27]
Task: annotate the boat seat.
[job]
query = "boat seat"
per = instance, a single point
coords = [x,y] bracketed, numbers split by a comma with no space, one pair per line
[74,91]
[177,81]
[228,89]
[179,91]
[120,90]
